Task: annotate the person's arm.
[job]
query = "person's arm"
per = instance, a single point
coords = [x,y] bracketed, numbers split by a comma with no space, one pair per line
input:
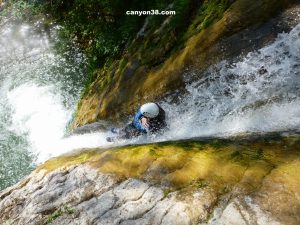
[136,121]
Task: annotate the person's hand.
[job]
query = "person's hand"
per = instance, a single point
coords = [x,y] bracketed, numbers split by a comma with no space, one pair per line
[145,122]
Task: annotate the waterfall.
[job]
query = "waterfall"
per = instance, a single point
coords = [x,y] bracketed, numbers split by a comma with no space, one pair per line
[257,93]
[39,90]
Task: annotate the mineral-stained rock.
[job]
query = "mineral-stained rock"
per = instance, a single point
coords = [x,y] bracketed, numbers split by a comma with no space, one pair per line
[244,27]
[81,195]
[186,182]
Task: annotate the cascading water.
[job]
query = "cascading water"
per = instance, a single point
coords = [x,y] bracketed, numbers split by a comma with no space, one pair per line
[39,90]
[259,93]
[38,93]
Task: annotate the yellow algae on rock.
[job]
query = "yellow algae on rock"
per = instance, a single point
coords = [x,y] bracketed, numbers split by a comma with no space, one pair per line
[129,81]
[221,164]
[280,192]
[240,181]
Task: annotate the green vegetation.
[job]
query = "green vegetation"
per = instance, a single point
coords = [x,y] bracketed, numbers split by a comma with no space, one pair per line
[100,26]
[57,213]
[114,50]
[210,11]
[19,9]
[104,31]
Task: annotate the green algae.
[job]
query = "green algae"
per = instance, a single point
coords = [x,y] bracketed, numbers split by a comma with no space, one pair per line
[266,168]
[57,213]
[164,52]
[207,14]
[218,164]
[67,160]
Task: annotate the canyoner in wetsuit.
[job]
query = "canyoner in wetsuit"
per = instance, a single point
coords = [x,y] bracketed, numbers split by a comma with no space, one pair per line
[150,118]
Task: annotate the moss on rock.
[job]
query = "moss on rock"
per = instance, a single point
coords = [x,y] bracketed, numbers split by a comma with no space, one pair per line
[264,169]
[220,164]
[154,63]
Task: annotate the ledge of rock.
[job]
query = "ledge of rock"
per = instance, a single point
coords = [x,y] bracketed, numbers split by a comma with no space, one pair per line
[119,89]
[184,182]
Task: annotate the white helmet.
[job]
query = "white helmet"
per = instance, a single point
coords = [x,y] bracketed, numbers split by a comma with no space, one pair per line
[150,110]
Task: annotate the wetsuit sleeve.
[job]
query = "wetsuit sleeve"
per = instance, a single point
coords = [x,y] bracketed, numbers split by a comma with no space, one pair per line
[158,122]
[136,121]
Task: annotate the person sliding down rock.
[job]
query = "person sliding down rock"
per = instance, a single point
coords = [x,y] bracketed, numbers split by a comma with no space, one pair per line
[150,118]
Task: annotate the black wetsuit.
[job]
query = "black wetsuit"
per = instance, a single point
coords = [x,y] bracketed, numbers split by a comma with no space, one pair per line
[135,128]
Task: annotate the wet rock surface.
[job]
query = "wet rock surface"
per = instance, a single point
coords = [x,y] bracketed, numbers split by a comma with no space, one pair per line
[93,127]
[246,26]
[193,182]
[81,195]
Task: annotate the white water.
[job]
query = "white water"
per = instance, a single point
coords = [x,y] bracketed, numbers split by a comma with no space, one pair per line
[230,99]
[259,93]
[39,90]
[45,118]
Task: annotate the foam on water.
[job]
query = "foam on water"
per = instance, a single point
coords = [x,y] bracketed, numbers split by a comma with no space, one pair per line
[39,89]
[41,115]
[45,118]
[259,93]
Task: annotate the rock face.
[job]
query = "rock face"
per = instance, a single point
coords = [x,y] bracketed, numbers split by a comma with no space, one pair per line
[154,64]
[81,195]
[194,182]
